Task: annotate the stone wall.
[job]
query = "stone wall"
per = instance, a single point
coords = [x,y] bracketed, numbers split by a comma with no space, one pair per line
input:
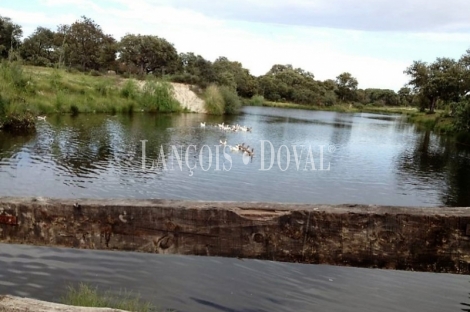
[420,239]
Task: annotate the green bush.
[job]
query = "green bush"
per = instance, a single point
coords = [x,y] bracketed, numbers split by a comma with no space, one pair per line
[462,116]
[232,103]
[256,100]
[329,99]
[130,90]
[214,101]
[12,74]
[95,73]
[157,96]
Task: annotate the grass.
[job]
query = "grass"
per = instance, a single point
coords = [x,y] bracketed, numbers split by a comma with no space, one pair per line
[41,90]
[345,108]
[87,296]
[214,101]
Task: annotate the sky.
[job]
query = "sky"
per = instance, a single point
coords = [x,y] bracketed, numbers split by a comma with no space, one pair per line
[374,40]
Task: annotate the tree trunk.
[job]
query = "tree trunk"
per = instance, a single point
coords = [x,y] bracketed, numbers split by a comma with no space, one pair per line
[432,106]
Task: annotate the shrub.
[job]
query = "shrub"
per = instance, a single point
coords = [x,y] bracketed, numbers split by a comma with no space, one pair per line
[257,100]
[329,99]
[129,90]
[158,97]
[462,116]
[12,73]
[214,101]
[232,103]
[95,73]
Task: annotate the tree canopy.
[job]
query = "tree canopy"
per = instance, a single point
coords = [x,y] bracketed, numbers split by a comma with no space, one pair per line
[150,54]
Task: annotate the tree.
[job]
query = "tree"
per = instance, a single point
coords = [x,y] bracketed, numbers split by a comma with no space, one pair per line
[382,96]
[286,83]
[39,48]
[150,54]
[86,45]
[346,87]
[10,36]
[405,96]
[441,80]
[233,75]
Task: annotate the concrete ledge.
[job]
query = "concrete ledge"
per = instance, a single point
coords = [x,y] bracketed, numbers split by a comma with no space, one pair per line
[17,304]
[420,239]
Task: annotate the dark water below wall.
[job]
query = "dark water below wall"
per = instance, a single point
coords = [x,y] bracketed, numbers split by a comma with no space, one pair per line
[200,284]
[373,159]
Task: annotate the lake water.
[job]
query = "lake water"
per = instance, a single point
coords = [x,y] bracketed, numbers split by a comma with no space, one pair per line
[372,159]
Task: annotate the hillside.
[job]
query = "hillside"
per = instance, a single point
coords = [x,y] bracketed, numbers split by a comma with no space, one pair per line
[42,90]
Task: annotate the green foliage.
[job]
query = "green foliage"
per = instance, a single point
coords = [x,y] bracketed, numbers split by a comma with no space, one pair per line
[148,54]
[256,100]
[104,88]
[84,44]
[55,80]
[329,99]
[232,103]
[462,116]
[10,37]
[130,89]
[214,101]
[346,87]
[12,74]
[95,73]
[39,48]
[86,296]
[157,96]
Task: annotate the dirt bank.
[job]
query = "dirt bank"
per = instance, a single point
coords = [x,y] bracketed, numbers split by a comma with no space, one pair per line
[187,97]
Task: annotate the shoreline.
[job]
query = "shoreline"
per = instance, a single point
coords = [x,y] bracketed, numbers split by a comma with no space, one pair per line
[438,122]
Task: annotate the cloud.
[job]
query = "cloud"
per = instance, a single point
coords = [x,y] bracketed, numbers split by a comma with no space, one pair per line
[370,15]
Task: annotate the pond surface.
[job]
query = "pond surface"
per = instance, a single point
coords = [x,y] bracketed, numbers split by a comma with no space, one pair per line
[372,159]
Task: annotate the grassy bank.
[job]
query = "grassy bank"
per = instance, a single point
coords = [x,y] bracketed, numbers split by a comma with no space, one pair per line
[40,90]
[344,108]
[87,296]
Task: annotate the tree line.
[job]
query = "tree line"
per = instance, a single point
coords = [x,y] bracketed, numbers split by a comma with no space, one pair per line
[84,46]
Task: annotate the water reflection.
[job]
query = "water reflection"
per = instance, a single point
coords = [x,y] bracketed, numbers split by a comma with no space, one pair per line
[436,163]
[373,159]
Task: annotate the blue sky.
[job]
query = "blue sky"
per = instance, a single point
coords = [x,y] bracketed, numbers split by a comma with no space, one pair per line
[375,40]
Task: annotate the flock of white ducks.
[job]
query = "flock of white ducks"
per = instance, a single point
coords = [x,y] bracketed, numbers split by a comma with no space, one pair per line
[233,128]
[246,150]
